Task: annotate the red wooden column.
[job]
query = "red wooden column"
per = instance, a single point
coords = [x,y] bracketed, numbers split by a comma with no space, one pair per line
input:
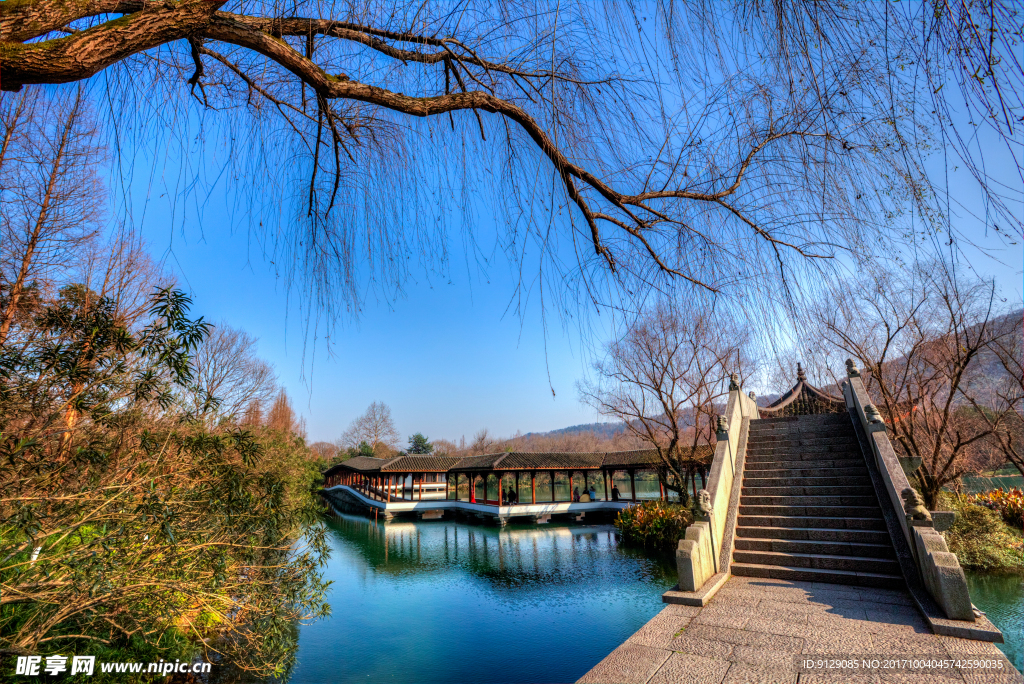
[604,479]
[533,487]
[389,488]
[632,484]
[552,486]
[472,488]
[661,488]
[517,484]
[421,486]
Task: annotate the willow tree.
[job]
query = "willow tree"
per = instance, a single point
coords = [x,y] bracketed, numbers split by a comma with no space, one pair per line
[716,148]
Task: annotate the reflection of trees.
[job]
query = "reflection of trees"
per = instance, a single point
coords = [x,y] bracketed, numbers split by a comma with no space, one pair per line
[520,558]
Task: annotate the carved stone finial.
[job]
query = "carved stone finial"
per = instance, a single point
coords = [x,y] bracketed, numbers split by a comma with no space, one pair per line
[851,369]
[721,427]
[872,414]
[752,395]
[800,375]
[704,500]
[734,382]
[913,505]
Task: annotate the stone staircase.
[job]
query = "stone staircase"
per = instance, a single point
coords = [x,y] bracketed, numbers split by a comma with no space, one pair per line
[807,508]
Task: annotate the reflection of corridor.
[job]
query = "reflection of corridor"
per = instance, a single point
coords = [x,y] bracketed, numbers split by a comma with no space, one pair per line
[527,558]
[350,497]
[407,595]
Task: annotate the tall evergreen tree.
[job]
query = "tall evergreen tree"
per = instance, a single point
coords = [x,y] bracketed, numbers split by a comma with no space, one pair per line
[419,444]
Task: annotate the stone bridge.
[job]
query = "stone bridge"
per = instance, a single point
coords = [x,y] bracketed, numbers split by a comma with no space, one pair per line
[808,567]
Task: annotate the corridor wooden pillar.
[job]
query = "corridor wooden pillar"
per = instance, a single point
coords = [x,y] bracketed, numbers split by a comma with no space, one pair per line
[632,484]
[421,486]
[552,486]
[389,488]
[604,479]
[533,487]
[661,488]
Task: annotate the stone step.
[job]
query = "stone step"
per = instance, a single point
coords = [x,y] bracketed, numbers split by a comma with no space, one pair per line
[832,548]
[830,534]
[830,522]
[812,472]
[821,419]
[761,428]
[799,490]
[803,441]
[882,566]
[862,579]
[801,453]
[836,498]
[829,436]
[834,481]
[812,511]
[752,466]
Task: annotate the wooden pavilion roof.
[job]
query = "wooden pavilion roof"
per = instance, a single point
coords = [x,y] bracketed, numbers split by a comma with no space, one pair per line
[803,399]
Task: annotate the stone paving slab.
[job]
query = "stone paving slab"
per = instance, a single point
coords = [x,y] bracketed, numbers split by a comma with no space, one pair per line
[754,630]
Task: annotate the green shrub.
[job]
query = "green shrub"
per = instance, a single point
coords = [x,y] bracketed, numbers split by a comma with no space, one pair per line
[1009,503]
[981,539]
[654,524]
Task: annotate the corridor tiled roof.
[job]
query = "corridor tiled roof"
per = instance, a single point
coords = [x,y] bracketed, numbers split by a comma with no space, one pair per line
[520,460]
[364,463]
[637,457]
[485,462]
[425,463]
[515,460]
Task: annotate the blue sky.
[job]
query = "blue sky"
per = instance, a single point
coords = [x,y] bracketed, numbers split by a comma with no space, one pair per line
[448,358]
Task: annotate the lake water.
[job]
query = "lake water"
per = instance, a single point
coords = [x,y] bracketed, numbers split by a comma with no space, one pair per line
[1001,597]
[440,601]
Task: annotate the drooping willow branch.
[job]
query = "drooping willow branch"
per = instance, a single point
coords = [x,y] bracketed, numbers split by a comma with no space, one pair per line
[147,25]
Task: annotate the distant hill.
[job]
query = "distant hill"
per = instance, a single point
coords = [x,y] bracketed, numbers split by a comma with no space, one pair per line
[603,430]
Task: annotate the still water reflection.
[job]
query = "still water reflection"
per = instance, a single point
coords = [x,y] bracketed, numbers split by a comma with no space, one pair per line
[1002,599]
[435,601]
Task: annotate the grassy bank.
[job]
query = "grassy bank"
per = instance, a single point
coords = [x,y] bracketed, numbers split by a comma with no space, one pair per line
[981,538]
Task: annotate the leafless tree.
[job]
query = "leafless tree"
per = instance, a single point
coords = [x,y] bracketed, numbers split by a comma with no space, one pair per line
[376,427]
[282,416]
[50,196]
[664,379]
[118,266]
[928,339]
[325,451]
[483,443]
[229,375]
[718,147]
[1002,361]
